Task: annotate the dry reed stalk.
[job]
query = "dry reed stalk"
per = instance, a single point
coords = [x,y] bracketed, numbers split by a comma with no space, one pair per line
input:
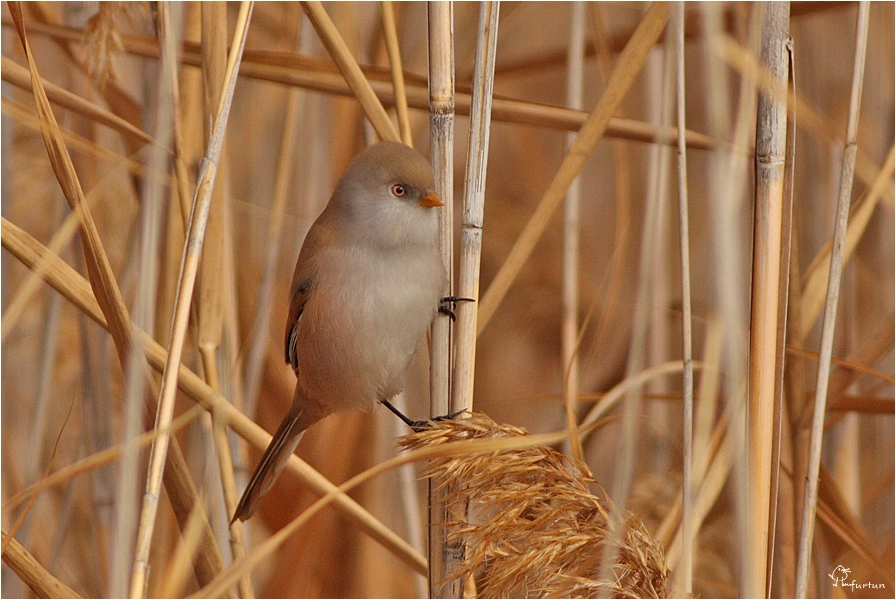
[540,532]
[569,328]
[440,16]
[771,139]
[627,68]
[810,499]
[687,528]
[215,270]
[503,109]
[41,581]
[781,336]
[474,206]
[401,98]
[189,265]
[350,70]
[71,285]
[441,109]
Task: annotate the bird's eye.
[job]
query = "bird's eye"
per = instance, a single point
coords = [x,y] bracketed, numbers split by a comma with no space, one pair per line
[399,190]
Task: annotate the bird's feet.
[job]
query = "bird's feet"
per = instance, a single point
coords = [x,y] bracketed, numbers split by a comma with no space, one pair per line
[419,426]
[449,303]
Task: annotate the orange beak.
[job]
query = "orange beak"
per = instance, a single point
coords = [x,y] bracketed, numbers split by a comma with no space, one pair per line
[431,200]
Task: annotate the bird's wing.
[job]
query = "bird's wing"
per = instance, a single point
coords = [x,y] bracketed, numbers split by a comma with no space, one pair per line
[296,306]
[303,279]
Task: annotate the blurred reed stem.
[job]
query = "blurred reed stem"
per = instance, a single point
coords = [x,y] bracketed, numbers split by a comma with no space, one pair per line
[569,328]
[685,576]
[152,208]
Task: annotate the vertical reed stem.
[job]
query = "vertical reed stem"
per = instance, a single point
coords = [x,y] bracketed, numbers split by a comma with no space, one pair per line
[783,304]
[442,556]
[771,138]
[810,502]
[474,205]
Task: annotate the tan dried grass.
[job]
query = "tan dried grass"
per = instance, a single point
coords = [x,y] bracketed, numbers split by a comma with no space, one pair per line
[544,531]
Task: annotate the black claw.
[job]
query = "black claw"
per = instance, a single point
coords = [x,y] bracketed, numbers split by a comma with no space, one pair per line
[418,426]
[455,299]
[446,305]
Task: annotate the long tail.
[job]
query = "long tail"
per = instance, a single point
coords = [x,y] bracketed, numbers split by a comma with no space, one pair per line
[274,459]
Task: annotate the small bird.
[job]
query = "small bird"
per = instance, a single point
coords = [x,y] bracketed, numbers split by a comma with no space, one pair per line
[367,284]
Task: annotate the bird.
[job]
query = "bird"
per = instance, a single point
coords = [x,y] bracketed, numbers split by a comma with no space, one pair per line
[368,282]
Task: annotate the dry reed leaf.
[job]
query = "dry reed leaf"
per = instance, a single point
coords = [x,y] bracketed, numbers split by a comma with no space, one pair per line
[101,276]
[78,144]
[14,73]
[814,285]
[352,73]
[543,530]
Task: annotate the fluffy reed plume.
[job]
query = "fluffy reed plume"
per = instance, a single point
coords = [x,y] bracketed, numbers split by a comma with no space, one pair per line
[540,531]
